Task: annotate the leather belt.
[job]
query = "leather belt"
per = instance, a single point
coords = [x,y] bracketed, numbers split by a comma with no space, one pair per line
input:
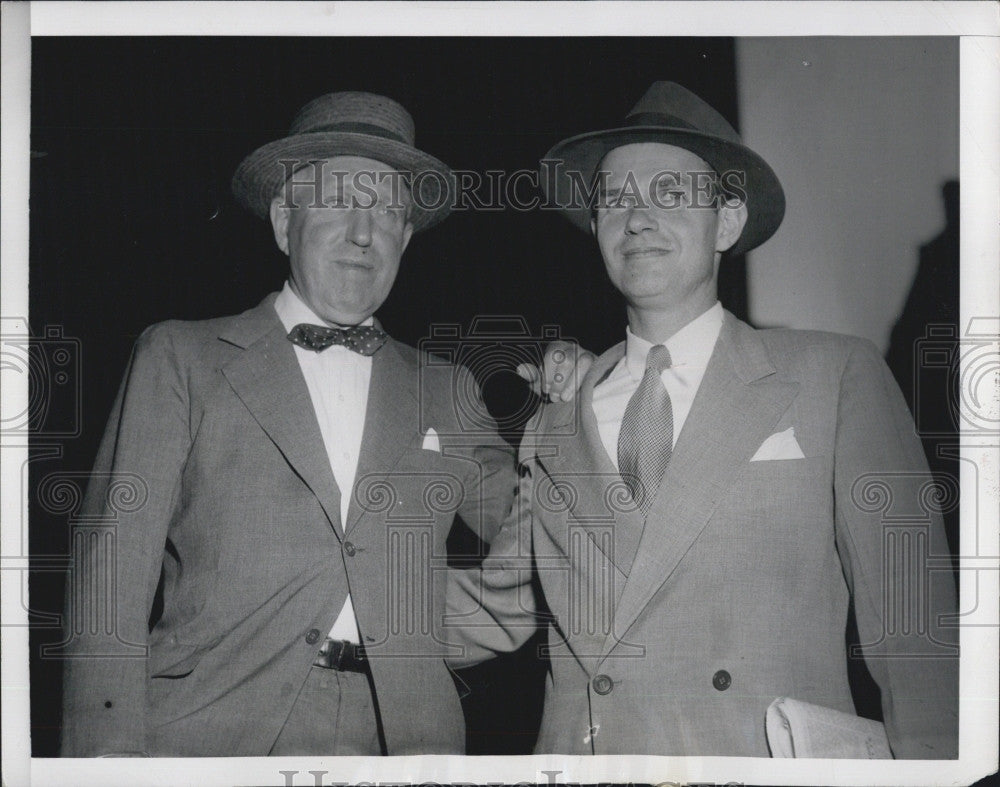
[341,655]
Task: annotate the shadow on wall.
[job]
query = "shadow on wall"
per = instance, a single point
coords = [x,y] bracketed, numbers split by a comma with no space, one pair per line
[931,316]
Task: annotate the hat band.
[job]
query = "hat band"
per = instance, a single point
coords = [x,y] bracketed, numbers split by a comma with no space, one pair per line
[359,128]
[658,119]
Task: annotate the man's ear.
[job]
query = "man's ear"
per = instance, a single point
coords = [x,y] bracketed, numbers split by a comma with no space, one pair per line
[593,225]
[732,219]
[407,234]
[279,222]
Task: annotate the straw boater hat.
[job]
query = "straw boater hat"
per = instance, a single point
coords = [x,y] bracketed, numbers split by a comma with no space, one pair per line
[348,124]
[673,115]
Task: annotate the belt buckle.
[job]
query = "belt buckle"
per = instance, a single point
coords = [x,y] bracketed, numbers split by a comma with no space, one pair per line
[342,656]
[338,653]
[328,654]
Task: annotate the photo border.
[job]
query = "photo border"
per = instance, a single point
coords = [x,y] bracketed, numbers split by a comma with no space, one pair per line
[974,22]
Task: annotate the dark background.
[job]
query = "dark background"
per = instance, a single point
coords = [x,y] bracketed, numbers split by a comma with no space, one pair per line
[134,141]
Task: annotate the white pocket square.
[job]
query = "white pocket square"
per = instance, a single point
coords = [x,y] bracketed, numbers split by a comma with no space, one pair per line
[780,445]
[431,442]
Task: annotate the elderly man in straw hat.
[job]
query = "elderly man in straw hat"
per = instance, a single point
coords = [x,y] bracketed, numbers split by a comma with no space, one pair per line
[299,490]
[728,493]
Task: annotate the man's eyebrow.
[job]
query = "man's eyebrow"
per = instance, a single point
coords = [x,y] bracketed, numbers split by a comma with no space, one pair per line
[610,192]
[673,177]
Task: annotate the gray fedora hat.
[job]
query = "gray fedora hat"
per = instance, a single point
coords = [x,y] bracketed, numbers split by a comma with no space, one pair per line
[673,115]
[349,124]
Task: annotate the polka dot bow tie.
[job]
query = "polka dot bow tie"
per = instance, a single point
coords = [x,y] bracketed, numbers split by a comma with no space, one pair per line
[362,339]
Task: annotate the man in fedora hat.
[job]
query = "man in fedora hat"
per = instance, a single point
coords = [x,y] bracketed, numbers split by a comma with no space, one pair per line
[705,513]
[296,489]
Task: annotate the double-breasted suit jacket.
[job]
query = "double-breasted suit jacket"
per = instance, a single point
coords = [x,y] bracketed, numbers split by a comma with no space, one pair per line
[796,486]
[242,514]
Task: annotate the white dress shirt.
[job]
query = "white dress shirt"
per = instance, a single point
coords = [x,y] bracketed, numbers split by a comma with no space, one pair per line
[338,380]
[690,348]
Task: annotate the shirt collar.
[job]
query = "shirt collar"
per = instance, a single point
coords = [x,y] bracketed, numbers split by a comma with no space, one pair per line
[292,310]
[691,346]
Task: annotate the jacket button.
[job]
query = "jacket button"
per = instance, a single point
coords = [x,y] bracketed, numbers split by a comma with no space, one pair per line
[350,549]
[313,636]
[722,680]
[603,684]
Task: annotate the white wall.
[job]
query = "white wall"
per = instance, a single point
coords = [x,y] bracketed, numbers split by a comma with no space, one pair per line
[862,133]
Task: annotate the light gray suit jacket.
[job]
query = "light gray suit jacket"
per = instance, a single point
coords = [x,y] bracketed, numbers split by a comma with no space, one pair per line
[243,516]
[672,636]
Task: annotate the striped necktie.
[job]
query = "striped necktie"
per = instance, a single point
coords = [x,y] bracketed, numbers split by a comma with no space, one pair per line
[647,434]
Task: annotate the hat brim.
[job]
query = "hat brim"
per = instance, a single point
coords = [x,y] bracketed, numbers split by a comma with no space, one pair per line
[260,176]
[765,199]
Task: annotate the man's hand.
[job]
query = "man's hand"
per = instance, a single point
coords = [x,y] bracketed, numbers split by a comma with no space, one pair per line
[565,365]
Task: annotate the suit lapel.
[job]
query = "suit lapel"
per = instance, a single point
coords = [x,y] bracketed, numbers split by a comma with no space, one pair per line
[597,497]
[267,379]
[736,408]
[391,420]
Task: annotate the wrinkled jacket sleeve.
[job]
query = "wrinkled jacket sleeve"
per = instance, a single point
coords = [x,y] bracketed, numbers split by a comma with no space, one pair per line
[492,609]
[893,549]
[131,496]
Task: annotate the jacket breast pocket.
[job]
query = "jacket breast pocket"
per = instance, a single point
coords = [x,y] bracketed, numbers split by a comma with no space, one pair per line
[776,470]
[785,486]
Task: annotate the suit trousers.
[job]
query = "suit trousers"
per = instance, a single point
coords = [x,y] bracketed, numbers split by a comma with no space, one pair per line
[334,714]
